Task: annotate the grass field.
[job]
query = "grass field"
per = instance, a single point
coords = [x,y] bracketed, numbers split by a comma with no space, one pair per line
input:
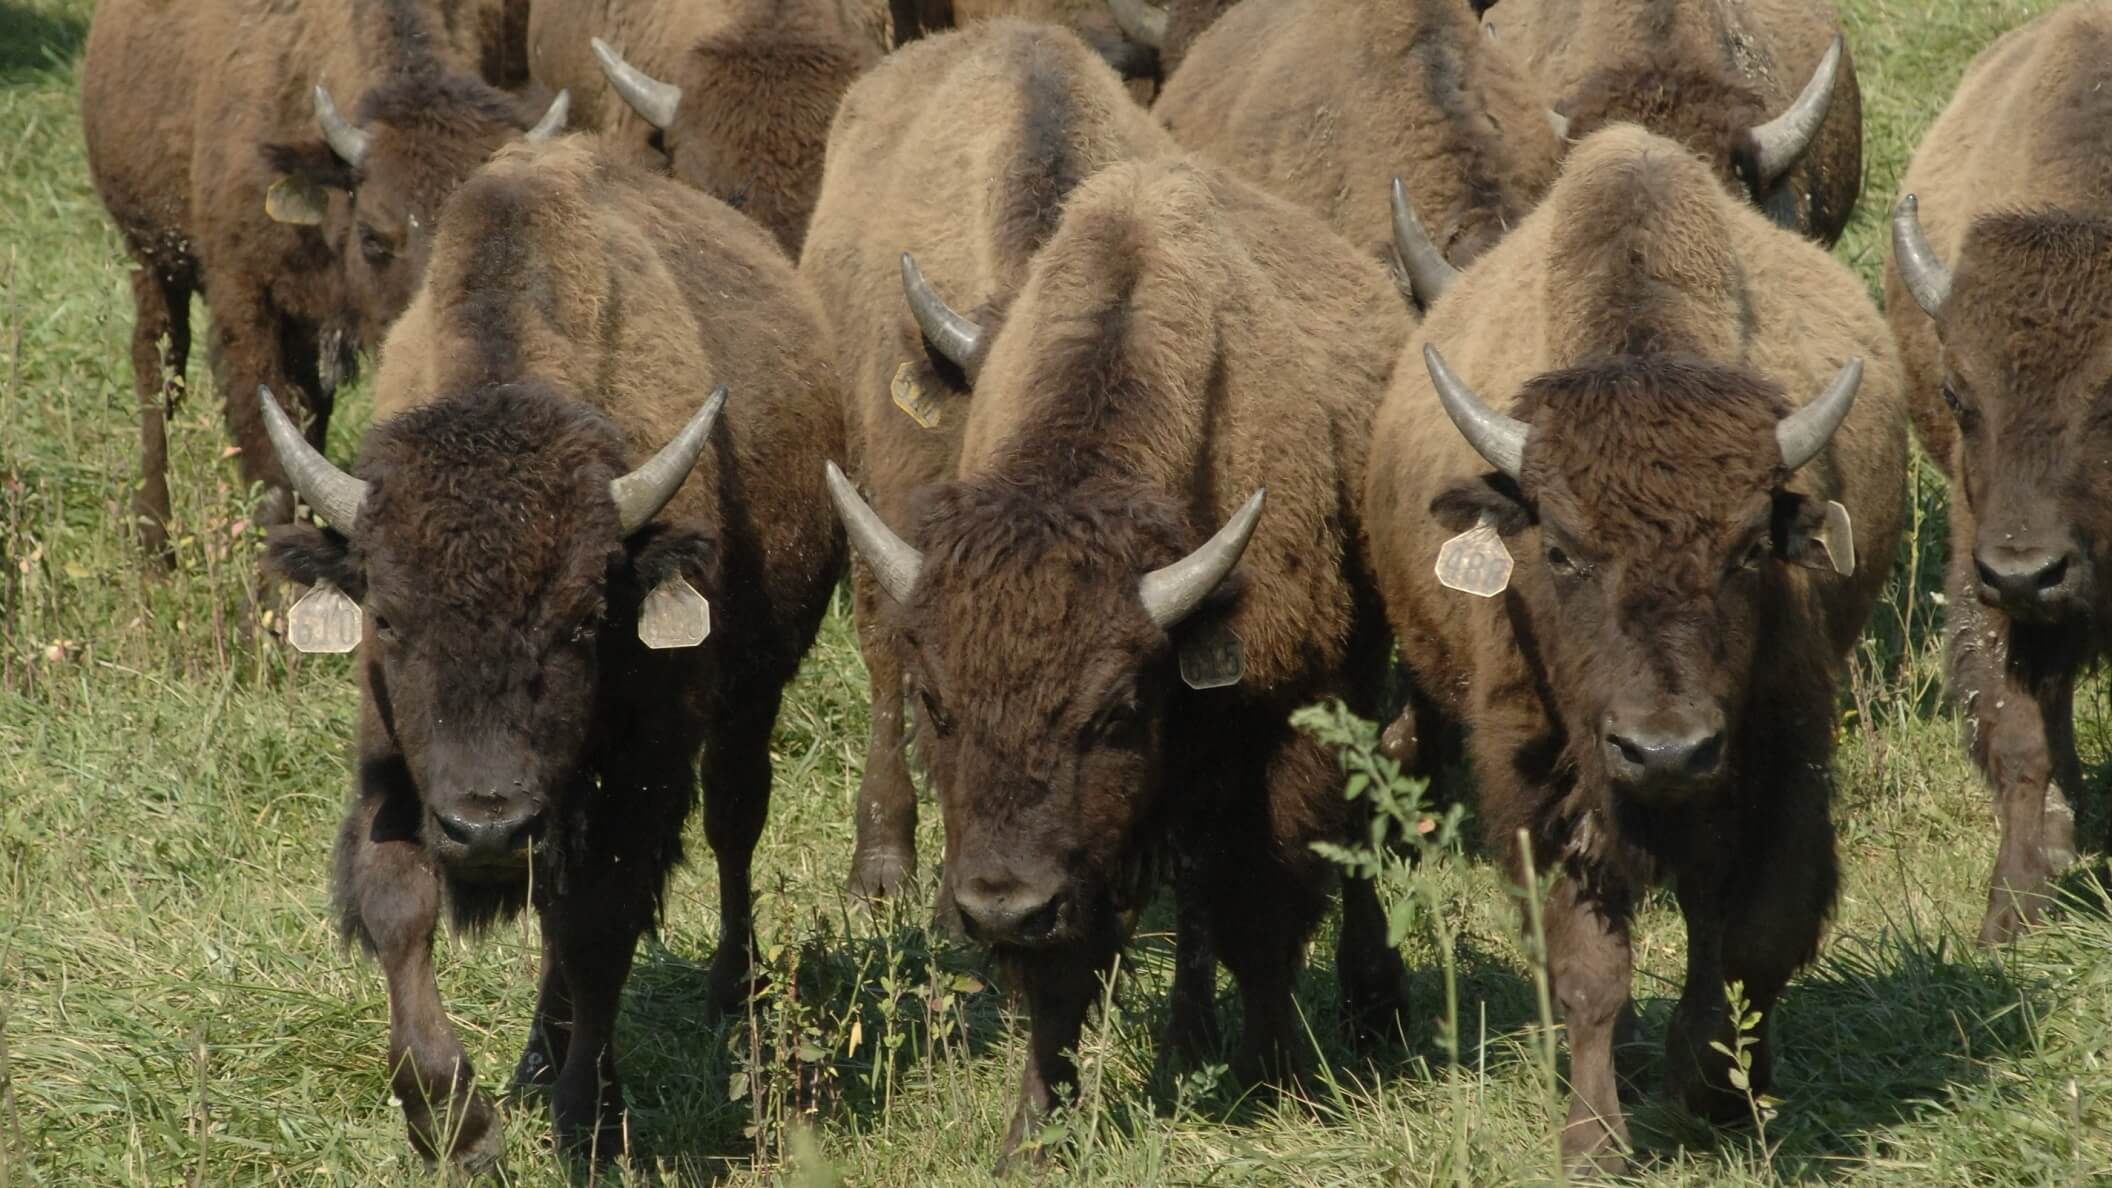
[174,1007]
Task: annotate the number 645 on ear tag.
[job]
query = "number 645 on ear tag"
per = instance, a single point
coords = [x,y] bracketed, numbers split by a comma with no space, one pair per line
[674,615]
[1475,562]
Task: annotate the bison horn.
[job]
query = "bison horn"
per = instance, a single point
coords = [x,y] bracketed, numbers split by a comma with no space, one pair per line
[648,96]
[1140,21]
[1171,593]
[1429,273]
[1782,140]
[346,139]
[327,489]
[1927,276]
[895,564]
[553,121]
[1803,433]
[1498,438]
[641,494]
[954,334]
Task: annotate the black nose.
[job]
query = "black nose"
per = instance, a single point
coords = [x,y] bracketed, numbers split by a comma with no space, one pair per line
[1003,910]
[1664,747]
[2025,579]
[496,834]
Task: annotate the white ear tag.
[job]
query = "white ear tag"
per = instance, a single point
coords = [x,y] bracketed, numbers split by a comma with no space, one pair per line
[913,398]
[674,615]
[1837,537]
[1475,562]
[324,620]
[1212,659]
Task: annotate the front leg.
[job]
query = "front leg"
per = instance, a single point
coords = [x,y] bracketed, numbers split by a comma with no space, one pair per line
[550,1035]
[736,778]
[594,946]
[1591,966]
[1060,985]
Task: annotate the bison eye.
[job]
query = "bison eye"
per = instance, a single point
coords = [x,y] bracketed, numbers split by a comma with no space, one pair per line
[1754,554]
[1561,562]
[1950,397]
[383,631]
[372,246]
[1115,724]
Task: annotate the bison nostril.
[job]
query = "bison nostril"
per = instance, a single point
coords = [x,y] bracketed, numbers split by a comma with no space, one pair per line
[1042,920]
[1628,748]
[458,830]
[1706,755]
[2052,575]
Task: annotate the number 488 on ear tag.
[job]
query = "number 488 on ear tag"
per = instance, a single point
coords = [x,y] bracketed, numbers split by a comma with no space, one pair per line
[324,620]
[674,615]
[1475,562]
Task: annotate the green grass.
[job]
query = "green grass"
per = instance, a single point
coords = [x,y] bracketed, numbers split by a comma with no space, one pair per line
[174,1006]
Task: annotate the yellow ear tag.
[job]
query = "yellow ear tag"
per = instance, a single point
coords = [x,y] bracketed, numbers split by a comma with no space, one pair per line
[294,200]
[674,615]
[922,406]
[1475,562]
[324,620]
[1837,537]
[1212,659]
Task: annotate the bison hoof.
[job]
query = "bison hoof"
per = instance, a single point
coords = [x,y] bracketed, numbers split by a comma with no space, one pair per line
[471,1137]
[589,1125]
[735,978]
[881,874]
[1591,1148]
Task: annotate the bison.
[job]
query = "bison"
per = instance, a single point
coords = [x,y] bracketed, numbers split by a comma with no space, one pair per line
[1763,89]
[1105,633]
[1998,289]
[201,123]
[970,203]
[737,96]
[1165,32]
[524,561]
[1643,394]
[1324,101]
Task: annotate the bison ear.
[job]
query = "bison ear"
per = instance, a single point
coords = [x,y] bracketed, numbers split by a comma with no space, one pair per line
[1816,534]
[1492,496]
[306,175]
[313,556]
[661,552]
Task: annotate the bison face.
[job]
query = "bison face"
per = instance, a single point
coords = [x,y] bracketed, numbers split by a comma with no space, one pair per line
[500,573]
[1651,518]
[1039,643]
[2027,373]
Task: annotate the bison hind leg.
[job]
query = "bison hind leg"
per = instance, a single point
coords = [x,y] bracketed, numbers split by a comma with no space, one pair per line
[1373,979]
[161,348]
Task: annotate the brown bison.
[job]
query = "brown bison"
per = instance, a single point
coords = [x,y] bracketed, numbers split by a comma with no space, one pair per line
[1105,633]
[1324,102]
[201,123]
[514,542]
[737,95]
[970,203]
[1999,289]
[1166,32]
[1765,90]
[1643,394]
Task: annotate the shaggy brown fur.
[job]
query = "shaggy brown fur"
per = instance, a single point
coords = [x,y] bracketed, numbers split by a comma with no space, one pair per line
[2008,388]
[1182,341]
[578,311]
[760,82]
[1325,102]
[193,112]
[1651,329]
[972,201]
[1701,72]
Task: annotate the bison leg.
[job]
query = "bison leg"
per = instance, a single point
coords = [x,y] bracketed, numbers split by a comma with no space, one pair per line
[736,772]
[594,930]
[1192,1032]
[392,895]
[161,310]
[1374,981]
[1590,965]
[886,854]
[1060,987]
[550,1036]
[251,342]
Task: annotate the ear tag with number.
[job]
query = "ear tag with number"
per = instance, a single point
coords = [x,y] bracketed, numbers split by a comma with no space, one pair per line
[295,200]
[324,620]
[1837,537]
[1212,659]
[674,615]
[1475,562]
[913,398]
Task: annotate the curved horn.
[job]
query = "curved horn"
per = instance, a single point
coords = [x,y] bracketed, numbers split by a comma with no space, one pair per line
[553,121]
[1140,21]
[1782,140]
[347,140]
[1927,276]
[1171,593]
[1429,273]
[954,334]
[327,489]
[1498,438]
[641,494]
[1559,123]
[895,564]
[1803,433]
[648,96]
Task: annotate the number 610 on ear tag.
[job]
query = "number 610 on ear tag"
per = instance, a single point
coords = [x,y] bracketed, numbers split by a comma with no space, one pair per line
[674,615]
[324,620]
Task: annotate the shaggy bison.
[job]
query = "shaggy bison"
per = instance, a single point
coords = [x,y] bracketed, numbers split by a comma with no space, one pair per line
[201,122]
[1998,288]
[1105,631]
[970,204]
[1765,90]
[535,578]
[1648,395]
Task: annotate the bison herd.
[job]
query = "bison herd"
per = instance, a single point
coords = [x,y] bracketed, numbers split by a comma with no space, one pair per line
[1480,366]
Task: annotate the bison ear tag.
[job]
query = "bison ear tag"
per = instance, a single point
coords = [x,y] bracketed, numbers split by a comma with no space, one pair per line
[1475,562]
[1212,659]
[324,620]
[1837,537]
[912,397]
[674,615]
[295,200]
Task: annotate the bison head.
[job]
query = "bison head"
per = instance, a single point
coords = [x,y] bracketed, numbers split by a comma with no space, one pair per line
[1039,638]
[1716,115]
[2025,325]
[499,548]
[374,187]
[1649,496]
